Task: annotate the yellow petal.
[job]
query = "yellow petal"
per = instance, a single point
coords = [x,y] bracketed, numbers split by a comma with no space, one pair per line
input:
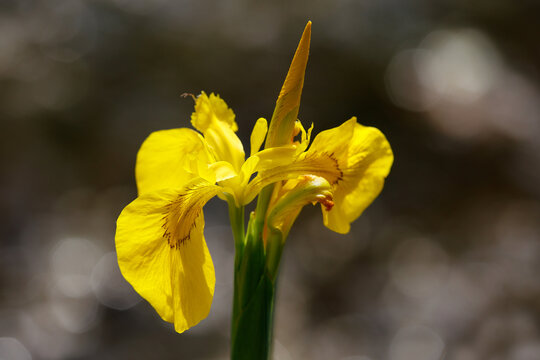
[288,103]
[163,255]
[208,110]
[258,134]
[215,120]
[170,158]
[222,170]
[277,156]
[363,157]
[305,137]
[193,280]
[225,144]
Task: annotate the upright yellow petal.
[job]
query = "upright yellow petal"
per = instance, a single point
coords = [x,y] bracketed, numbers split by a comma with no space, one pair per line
[257,135]
[288,102]
[170,158]
[208,110]
[222,170]
[305,138]
[215,120]
[225,145]
[163,255]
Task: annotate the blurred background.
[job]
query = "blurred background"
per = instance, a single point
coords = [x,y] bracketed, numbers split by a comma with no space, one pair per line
[444,264]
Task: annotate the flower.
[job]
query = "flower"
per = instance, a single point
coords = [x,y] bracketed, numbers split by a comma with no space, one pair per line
[159,238]
[354,159]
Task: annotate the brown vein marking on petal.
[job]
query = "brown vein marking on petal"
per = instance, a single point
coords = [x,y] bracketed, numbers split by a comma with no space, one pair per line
[181,214]
[324,164]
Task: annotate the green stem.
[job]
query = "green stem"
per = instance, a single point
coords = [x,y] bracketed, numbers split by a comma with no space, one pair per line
[262,207]
[252,325]
[253,301]
[273,254]
[236,215]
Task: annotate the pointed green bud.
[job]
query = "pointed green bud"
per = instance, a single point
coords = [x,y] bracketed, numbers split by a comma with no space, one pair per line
[288,103]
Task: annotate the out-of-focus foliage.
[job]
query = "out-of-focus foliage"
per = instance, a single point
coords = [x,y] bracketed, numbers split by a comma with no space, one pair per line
[444,262]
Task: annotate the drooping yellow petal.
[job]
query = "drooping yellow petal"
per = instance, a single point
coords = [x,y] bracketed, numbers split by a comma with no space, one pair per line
[257,135]
[215,120]
[170,158]
[363,157]
[192,266]
[288,103]
[163,255]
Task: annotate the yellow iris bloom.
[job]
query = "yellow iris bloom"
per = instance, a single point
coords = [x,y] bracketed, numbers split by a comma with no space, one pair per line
[159,239]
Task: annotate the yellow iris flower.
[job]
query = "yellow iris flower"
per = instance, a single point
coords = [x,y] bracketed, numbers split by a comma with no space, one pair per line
[159,239]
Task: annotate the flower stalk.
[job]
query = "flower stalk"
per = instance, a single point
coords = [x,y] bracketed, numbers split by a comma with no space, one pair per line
[253,303]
